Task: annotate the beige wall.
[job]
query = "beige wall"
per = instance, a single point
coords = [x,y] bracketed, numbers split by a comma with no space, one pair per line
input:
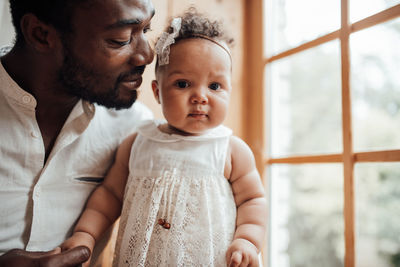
[229,11]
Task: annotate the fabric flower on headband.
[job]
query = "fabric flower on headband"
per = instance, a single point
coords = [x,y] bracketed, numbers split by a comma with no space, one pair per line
[162,47]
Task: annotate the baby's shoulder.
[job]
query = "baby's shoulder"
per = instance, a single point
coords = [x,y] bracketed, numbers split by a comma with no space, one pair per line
[237,145]
[242,158]
[125,147]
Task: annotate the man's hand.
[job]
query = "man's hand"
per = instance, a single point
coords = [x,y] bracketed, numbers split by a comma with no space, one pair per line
[54,258]
[79,239]
[242,253]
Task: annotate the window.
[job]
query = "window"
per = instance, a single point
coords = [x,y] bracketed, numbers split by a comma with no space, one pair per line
[329,140]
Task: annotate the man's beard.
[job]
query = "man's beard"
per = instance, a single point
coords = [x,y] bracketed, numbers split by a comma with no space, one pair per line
[84,82]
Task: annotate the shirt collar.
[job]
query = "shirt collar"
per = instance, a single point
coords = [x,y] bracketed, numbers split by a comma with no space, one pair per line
[15,92]
[12,90]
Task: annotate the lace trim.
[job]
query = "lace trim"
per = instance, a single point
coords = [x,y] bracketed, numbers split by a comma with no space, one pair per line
[151,131]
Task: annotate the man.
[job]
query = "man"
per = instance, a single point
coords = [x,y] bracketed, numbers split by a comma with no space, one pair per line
[67,89]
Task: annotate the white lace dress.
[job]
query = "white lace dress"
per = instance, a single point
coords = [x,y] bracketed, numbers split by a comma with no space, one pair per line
[176,182]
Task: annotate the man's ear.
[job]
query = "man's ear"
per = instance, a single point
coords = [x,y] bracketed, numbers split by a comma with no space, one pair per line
[37,34]
[156,90]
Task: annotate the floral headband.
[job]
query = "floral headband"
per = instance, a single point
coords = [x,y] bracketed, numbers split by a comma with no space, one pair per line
[166,39]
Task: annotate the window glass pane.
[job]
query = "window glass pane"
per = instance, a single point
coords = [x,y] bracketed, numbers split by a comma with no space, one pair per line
[292,22]
[375,83]
[378,214]
[306,215]
[305,102]
[360,9]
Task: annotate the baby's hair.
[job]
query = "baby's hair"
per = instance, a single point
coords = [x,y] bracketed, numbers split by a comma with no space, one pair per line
[194,24]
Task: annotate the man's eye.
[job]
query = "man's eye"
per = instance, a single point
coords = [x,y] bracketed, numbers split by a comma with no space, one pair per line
[182,84]
[121,43]
[214,86]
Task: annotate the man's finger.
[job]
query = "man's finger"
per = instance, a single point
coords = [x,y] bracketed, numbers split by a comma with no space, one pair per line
[55,251]
[35,254]
[68,258]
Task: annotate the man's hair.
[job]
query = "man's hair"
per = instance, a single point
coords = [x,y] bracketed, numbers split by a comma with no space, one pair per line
[57,13]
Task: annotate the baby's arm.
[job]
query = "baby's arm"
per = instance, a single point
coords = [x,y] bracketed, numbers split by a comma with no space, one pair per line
[104,205]
[251,205]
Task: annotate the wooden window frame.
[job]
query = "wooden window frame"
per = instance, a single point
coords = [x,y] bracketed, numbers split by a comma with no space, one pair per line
[254,119]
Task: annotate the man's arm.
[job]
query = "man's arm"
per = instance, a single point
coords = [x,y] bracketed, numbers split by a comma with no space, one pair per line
[104,205]
[251,205]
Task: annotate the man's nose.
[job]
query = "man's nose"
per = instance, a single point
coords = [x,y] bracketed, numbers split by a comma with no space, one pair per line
[142,53]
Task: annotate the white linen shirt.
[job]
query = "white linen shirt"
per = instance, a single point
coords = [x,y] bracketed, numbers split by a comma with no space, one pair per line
[40,202]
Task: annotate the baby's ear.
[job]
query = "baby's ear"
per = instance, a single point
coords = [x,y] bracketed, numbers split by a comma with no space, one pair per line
[156,90]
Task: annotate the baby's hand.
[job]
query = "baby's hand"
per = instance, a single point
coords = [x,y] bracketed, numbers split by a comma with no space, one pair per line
[242,253]
[79,239]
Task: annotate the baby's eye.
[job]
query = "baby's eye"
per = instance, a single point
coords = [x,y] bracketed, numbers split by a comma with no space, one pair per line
[147,29]
[214,86]
[182,84]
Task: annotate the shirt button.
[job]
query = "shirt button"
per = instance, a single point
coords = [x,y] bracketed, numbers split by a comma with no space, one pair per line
[34,134]
[37,192]
[26,99]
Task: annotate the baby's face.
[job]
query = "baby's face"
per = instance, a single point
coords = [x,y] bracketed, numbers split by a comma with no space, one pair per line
[194,88]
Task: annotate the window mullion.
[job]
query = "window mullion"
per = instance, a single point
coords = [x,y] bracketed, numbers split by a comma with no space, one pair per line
[348,163]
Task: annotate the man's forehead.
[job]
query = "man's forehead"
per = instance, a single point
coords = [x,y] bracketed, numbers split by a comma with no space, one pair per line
[115,13]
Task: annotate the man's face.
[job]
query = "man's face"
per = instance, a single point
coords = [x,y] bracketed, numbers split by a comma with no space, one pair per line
[105,56]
